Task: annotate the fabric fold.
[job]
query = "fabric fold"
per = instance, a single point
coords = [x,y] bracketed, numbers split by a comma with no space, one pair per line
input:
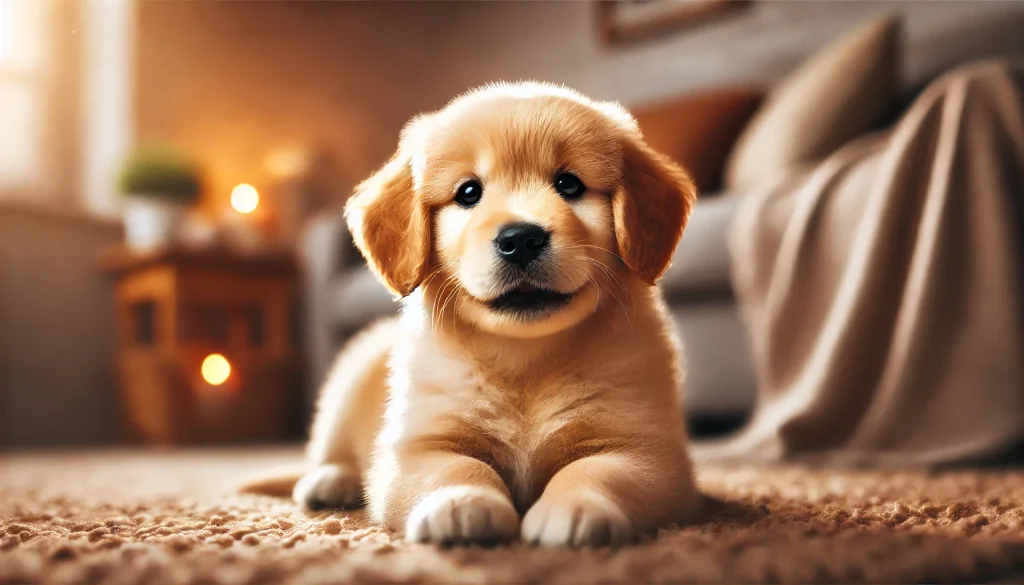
[882,288]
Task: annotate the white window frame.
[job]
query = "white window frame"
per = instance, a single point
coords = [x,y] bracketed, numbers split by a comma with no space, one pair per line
[108,130]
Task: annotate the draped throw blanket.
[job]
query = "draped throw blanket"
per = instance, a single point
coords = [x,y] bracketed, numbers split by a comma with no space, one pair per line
[882,288]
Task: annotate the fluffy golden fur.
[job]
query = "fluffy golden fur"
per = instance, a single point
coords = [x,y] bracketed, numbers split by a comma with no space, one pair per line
[464,423]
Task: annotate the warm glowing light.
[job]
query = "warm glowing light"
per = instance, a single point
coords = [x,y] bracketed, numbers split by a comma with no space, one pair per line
[245,198]
[216,369]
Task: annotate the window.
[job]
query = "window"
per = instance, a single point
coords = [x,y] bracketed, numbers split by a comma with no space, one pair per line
[65,100]
[24,55]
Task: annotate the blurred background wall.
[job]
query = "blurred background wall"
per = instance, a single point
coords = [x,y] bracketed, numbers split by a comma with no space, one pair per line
[236,84]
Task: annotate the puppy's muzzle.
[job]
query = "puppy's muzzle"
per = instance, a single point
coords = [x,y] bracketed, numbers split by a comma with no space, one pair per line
[521,243]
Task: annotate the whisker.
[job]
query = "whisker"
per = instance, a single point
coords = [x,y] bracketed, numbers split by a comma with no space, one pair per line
[433,308]
[614,280]
[435,315]
[451,296]
[443,267]
[629,313]
[605,250]
[583,279]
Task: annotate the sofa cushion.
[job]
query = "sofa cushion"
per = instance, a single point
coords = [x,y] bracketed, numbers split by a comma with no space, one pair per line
[719,375]
[840,93]
[698,130]
[358,298]
[701,265]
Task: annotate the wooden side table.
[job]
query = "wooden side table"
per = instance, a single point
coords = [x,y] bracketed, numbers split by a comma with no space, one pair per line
[206,345]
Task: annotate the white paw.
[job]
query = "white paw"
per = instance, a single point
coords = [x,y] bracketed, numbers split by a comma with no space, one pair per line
[462,514]
[329,486]
[585,518]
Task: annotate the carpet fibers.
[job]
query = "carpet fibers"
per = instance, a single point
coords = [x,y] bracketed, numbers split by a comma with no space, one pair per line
[169,517]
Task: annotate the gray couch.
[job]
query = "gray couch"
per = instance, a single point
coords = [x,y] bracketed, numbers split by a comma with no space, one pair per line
[342,296]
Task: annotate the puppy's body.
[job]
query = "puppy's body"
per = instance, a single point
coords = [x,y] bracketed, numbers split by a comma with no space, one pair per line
[562,410]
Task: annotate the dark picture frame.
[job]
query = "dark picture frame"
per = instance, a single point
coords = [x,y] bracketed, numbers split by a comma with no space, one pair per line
[628,21]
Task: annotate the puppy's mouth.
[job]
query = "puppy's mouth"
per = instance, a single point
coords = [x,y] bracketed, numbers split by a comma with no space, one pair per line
[527,299]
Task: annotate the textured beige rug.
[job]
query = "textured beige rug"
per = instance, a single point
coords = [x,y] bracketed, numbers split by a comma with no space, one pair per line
[157,517]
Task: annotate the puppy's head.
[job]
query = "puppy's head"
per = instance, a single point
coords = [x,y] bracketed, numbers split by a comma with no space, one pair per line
[522,207]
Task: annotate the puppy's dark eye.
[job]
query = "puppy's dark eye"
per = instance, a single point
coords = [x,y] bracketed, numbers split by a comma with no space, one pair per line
[569,186]
[468,194]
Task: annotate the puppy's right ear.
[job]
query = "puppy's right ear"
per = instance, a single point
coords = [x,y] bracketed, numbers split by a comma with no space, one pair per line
[389,221]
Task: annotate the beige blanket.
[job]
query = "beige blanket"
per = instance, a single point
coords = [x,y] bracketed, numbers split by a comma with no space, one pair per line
[882,288]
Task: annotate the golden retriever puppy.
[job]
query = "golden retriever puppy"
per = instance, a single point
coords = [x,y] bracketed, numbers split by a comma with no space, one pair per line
[528,388]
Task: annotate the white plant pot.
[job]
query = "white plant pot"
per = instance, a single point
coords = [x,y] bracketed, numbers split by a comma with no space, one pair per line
[152,222]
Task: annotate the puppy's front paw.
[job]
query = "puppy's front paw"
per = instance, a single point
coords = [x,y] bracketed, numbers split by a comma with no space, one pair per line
[329,486]
[462,514]
[585,518]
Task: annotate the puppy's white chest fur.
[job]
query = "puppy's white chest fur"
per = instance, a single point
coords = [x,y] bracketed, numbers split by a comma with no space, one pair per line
[520,429]
[509,422]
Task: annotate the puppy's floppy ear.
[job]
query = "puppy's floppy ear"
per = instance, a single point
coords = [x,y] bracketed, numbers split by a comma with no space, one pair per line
[650,209]
[390,223]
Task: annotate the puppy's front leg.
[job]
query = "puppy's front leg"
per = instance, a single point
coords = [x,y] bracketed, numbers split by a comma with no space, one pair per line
[349,415]
[610,498]
[443,497]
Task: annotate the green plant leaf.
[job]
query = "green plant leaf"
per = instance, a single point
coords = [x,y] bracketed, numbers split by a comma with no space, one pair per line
[158,170]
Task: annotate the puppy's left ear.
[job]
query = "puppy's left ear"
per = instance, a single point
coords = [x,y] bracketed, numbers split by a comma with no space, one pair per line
[650,209]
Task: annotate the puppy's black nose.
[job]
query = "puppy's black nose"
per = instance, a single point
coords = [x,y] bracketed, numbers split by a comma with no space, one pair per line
[521,243]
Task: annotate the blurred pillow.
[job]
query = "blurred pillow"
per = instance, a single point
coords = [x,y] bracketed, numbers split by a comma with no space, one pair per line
[698,130]
[841,92]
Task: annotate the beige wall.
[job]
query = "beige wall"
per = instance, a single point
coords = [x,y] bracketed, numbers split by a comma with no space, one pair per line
[234,80]
[556,41]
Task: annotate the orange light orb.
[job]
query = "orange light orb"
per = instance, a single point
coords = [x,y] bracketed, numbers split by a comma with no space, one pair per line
[244,198]
[216,369]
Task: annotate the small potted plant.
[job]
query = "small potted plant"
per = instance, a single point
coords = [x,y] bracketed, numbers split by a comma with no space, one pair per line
[160,184]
